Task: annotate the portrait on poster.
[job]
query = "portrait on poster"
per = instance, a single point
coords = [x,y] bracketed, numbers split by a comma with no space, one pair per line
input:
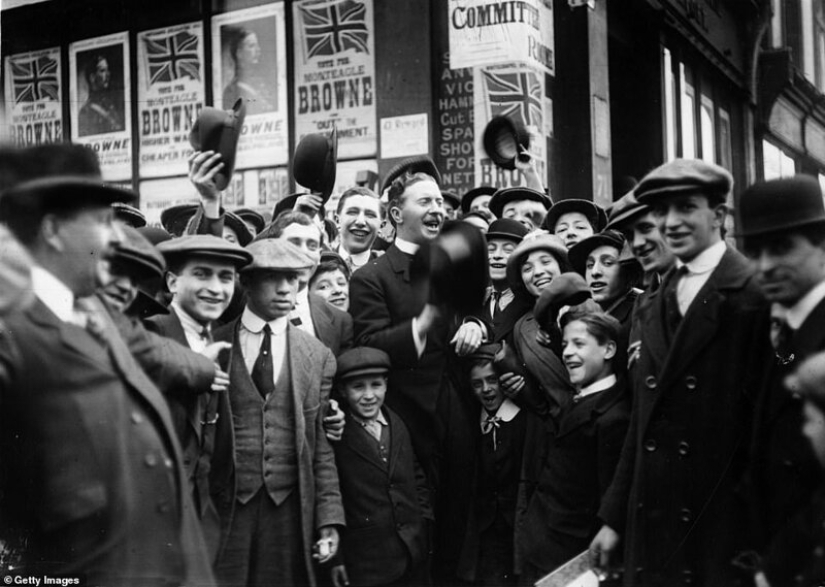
[249,62]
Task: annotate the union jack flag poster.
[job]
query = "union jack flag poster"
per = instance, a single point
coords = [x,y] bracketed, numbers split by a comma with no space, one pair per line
[173,57]
[515,94]
[37,79]
[333,27]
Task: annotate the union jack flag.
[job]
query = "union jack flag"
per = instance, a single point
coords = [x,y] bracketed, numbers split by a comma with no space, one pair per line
[335,27]
[516,95]
[173,57]
[35,79]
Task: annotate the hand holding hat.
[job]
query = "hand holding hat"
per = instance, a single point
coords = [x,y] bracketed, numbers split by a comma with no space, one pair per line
[218,131]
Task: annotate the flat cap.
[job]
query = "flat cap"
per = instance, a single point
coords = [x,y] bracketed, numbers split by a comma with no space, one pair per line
[251,216]
[780,205]
[451,197]
[472,194]
[154,234]
[685,176]
[139,255]
[544,242]
[578,253]
[507,228]
[421,164]
[625,209]
[568,289]
[486,352]
[362,360]
[205,245]
[594,214]
[129,215]
[506,195]
[277,254]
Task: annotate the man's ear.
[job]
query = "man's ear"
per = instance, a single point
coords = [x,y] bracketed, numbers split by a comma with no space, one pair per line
[720,212]
[50,232]
[396,215]
[610,350]
[171,282]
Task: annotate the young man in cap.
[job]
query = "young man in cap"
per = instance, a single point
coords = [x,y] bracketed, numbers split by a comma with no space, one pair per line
[702,362]
[273,476]
[502,308]
[478,200]
[524,205]
[359,218]
[201,278]
[782,224]
[92,476]
[384,489]
[573,220]
[134,261]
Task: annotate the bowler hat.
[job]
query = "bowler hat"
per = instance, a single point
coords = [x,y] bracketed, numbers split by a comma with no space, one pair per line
[130,215]
[506,195]
[472,194]
[205,245]
[453,267]
[58,192]
[504,140]
[251,216]
[219,131]
[507,228]
[594,214]
[544,242]
[360,361]
[277,254]
[685,177]
[184,219]
[139,255]
[578,253]
[780,204]
[568,289]
[625,209]
[420,164]
[314,163]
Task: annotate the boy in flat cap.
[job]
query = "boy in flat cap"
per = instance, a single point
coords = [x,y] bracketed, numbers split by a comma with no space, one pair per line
[674,501]
[92,473]
[201,278]
[384,490]
[273,477]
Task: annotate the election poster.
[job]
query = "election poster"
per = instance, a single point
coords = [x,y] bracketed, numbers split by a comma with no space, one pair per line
[170,96]
[496,33]
[100,109]
[249,62]
[516,91]
[335,73]
[34,112]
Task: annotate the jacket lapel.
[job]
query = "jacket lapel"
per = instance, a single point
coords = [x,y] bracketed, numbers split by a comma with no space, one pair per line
[589,409]
[84,345]
[400,262]
[810,337]
[321,319]
[358,439]
[299,356]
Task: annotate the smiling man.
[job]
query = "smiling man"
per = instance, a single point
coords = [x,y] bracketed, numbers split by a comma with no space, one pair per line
[704,354]
[502,308]
[359,219]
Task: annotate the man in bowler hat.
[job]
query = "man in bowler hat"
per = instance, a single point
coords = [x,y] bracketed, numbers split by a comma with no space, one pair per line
[273,476]
[782,224]
[91,473]
[674,501]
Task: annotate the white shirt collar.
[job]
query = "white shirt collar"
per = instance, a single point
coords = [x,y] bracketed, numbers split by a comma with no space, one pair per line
[358,259]
[254,323]
[379,418]
[406,246]
[188,322]
[505,412]
[53,293]
[707,260]
[597,386]
[797,313]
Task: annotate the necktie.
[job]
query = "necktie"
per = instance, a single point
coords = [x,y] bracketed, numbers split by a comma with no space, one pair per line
[262,370]
[784,346]
[672,314]
[206,335]
[490,425]
[496,304]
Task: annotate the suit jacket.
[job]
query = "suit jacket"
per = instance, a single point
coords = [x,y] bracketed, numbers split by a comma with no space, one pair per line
[503,324]
[579,460]
[333,327]
[312,368]
[91,470]
[386,504]
[197,439]
[675,495]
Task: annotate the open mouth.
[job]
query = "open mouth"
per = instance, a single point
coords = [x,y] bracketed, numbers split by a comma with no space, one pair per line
[597,286]
[211,300]
[498,265]
[571,365]
[677,236]
[541,282]
[358,233]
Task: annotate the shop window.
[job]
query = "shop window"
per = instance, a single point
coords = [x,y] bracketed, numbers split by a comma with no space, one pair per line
[819,44]
[708,130]
[777,34]
[725,140]
[688,111]
[669,101]
[776,162]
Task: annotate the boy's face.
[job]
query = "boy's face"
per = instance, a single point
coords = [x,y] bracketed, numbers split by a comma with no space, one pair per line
[586,360]
[573,228]
[271,294]
[498,252]
[690,225]
[484,383]
[365,395]
[603,274]
[813,428]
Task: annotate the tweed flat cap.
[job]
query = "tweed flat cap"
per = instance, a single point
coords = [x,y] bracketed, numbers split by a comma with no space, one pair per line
[251,216]
[136,252]
[625,210]
[685,176]
[276,254]
[486,352]
[362,361]
[205,245]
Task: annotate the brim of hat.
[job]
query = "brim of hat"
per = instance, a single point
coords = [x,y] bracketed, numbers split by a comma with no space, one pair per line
[585,207]
[42,191]
[658,193]
[517,258]
[174,219]
[454,200]
[253,217]
[767,230]
[499,201]
[148,267]
[240,258]
[145,306]
[622,218]
[509,236]
[467,199]
[131,217]
[577,255]
[234,222]
[364,371]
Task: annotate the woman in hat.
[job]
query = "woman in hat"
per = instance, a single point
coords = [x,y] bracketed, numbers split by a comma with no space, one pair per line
[247,83]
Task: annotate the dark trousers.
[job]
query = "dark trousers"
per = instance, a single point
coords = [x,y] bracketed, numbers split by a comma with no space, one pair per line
[265,544]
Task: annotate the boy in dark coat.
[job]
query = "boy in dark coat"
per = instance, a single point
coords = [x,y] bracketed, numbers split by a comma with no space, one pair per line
[383,488]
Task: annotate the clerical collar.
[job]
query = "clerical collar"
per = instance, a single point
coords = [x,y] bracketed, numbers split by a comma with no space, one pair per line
[407,247]
[597,386]
[799,312]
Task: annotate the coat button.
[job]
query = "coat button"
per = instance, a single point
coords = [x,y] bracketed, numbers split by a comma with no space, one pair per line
[690,382]
[136,418]
[651,445]
[640,506]
[150,460]
[168,463]
[687,576]
[650,382]
[163,507]
[685,515]
[684,448]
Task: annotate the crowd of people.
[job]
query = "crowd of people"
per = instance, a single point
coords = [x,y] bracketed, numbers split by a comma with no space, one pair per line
[238,399]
